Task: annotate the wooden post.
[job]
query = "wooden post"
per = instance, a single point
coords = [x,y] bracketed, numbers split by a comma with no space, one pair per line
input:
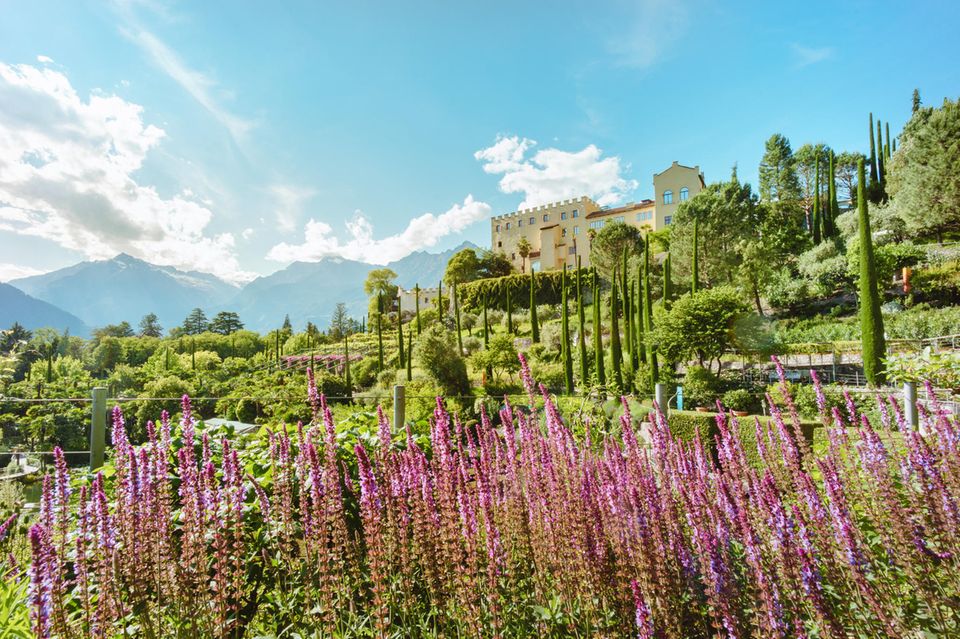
[660,393]
[98,427]
[399,405]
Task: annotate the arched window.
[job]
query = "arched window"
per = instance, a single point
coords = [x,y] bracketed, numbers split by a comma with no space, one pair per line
[684,194]
[668,197]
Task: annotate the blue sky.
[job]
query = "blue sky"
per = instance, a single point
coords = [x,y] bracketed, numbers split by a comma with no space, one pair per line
[234,137]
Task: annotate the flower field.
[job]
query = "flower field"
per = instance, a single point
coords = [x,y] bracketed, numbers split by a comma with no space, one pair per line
[512,527]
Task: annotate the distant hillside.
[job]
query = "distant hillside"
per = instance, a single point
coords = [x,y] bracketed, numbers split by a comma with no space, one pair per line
[127,288]
[17,306]
[309,291]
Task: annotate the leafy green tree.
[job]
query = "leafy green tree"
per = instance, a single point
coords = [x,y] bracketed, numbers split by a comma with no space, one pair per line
[500,356]
[437,355]
[464,266]
[150,326]
[107,354]
[14,338]
[871,321]
[778,171]
[699,326]
[226,323]
[195,323]
[924,181]
[123,329]
[695,257]
[494,264]
[380,281]
[846,168]
[609,244]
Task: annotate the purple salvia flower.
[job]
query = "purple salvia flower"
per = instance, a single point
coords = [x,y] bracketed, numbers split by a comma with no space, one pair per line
[7,525]
[643,617]
[41,581]
[383,431]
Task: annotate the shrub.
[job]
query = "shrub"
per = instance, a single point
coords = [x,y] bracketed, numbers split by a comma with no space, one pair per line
[700,387]
[738,399]
[436,353]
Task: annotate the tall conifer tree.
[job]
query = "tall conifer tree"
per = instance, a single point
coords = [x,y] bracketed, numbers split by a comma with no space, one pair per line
[873,343]
[400,334]
[379,332]
[581,329]
[873,154]
[815,223]
[648,310]
[456,311]
[534,324]
[416,295]
[597,333]
[881,167]
[565,333]
[615,354]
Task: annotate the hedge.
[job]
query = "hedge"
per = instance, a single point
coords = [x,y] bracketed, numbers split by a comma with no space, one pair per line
[470,294]
[685,424]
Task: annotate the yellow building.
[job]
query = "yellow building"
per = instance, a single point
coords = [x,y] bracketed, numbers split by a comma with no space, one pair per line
[558,232]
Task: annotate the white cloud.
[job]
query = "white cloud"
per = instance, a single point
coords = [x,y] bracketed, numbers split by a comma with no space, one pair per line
[15,271]
[198,85]
[805,56]
[421,232]
[44,59]
[650,28]
[289,204]
[67,170]
[551,174]
[247,233]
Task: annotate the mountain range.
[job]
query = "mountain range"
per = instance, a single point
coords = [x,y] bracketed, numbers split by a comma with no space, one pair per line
[17,306]
[126,288]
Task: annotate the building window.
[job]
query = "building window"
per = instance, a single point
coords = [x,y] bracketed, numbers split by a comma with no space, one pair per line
[520,222]
[563,215]
[533,221]
[572,250]
[499,244]
[576,230]
[618,218]
[576,213]
[668,197]
[684,194]
[667,219]
[597,224]
[498,228]
[508,226]
[563,232]
[546,217]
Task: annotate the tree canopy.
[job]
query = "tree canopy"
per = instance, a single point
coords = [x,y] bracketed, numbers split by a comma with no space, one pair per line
[778,171]
[608,245]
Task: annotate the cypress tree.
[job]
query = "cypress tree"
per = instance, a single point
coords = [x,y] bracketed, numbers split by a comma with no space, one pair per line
[456,313]
[440,301]
[416,295]
[615,354]
[410,356]
[834,206]
[627,309]
[597,333]
[916,100]
[509,312]
[886,146]
[871,321]
[881,168]
[640,313]
[635,323]
[565,334]
[581,327]
[276,349]
[648,310]
[695,278]
[815,223]
[400,334]
[873,154]
[379,332]
[667,284]
[486,336]
[346,365]
[534,324]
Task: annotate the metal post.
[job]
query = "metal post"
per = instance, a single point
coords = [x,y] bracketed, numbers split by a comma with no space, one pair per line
[660,393]
[98,427]
[399,405]
[910,404]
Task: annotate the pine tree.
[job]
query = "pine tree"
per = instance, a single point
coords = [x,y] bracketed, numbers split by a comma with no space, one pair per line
[615,354]
[456,312]
[648,310]
[379,332]
[565,334]
[400,334]
[581,326]
[695,278]
[416,295]
[873,154]
[534,324]
[881,167]
[815,223]
[597,333]
[916,100]
[871,321]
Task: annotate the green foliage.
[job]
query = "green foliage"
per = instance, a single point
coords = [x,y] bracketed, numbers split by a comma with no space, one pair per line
[610,243]
[700,326]
[14,609]
[942,369]
[226,323]
[547,290]
[700,387]
[871,321]
[500,356]
[463,267]
[195,323]
[738,399]
[436,353]
[778,172]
